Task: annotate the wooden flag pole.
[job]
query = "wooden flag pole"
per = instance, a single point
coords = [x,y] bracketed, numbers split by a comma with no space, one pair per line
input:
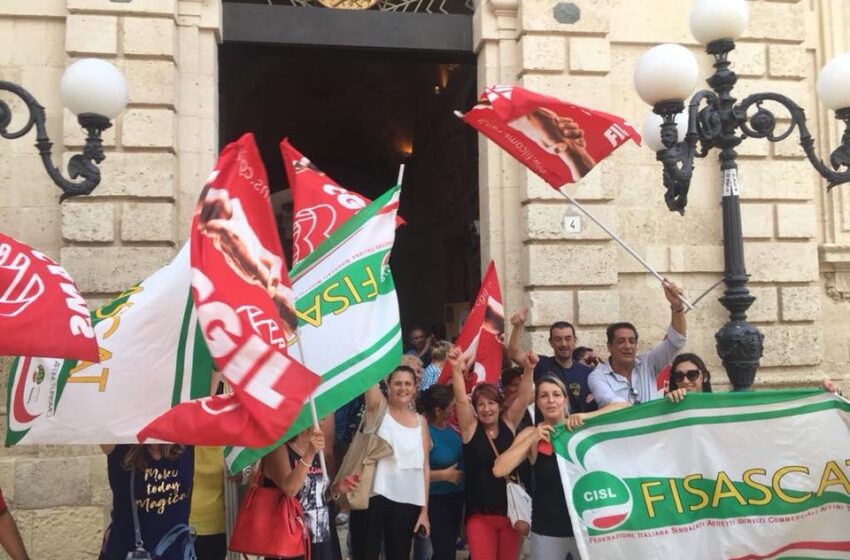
[622,243]
[313,412]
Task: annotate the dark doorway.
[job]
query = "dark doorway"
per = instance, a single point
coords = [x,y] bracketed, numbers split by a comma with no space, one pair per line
[358,115]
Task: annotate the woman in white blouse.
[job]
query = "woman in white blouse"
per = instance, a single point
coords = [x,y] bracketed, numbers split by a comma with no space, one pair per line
[398,506]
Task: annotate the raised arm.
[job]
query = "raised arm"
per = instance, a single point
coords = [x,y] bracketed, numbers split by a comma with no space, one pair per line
[465,414]
[513,415]
[288,479]
[677,308]
[676,337]
[375,399]
[517,330]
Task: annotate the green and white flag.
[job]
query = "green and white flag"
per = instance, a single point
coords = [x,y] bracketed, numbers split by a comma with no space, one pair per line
[347,315]
[152,356]
[735,476]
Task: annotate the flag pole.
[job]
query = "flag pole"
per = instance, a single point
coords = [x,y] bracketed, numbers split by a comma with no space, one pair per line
[400,174]
[315,415]
[622,243]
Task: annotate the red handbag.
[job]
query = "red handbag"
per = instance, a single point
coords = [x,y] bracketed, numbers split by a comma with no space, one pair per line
[270,523]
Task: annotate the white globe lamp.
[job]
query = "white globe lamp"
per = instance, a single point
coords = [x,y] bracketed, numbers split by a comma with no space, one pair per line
[94,86]
[668,72]
[651,129]
[834,83]
[714,20]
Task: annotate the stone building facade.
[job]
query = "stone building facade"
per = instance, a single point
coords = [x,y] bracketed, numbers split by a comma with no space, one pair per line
[797,237]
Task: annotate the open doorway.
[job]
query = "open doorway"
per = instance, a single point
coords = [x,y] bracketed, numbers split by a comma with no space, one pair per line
[358,115]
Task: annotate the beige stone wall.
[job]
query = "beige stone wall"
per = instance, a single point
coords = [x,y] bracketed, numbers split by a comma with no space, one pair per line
[158,153]
[787,216]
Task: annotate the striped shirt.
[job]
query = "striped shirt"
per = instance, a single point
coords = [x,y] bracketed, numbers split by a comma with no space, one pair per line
[609,387]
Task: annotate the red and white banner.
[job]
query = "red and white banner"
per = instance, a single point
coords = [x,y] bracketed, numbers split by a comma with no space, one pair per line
[246,311]
[41,311]
[559,141]
[319,204]
[482,336]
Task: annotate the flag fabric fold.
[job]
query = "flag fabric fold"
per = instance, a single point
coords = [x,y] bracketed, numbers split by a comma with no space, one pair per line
[246,310]
[152,357]
[717,476]
[41,311]
[481,339]
[348,318]
[559,141]
[319,204]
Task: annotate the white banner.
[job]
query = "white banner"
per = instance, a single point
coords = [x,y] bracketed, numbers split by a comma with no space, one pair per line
[151,358]
[735,476]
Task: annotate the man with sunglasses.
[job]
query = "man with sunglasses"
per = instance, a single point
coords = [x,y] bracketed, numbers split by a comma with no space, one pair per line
[561,365]
[629,378]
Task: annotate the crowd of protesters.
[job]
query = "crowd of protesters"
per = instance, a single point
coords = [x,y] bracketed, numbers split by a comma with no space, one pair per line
[454,455]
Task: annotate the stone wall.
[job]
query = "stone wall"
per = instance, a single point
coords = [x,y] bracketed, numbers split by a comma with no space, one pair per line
[585,52]
[158,153]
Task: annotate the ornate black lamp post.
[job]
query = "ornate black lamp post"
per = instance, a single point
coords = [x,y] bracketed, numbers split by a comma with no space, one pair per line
[664,77]
[96,92]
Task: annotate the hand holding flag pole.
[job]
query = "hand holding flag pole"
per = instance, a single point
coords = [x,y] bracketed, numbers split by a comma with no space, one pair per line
[559,141]
[313,413]
[623,244]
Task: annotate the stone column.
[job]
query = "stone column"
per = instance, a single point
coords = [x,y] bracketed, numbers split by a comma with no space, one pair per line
[157,155]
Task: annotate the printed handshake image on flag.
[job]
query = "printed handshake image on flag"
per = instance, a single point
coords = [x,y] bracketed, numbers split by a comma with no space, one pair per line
[734,476]
[559,141]
[246,310]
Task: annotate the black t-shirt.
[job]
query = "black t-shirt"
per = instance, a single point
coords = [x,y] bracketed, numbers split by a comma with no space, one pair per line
[549,515]
[484,492]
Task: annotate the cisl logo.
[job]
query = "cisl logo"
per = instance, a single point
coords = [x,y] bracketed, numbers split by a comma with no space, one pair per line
[602,500]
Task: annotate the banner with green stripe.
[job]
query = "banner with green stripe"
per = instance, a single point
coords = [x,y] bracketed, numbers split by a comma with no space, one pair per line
[348,319]
[152,357]
[717,476]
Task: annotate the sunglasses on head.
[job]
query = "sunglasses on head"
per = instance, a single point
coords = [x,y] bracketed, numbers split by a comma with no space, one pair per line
[691,374]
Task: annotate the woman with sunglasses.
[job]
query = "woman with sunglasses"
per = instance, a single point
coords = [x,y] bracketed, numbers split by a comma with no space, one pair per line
[688,374]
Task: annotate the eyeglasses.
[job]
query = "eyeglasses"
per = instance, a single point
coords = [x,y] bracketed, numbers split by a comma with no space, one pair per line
[634,394]
[591,361]
[691,374]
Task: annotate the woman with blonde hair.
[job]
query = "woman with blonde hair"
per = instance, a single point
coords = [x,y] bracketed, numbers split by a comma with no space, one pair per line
[551,530]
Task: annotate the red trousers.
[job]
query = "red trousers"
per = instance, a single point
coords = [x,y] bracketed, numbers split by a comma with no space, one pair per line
[492,537]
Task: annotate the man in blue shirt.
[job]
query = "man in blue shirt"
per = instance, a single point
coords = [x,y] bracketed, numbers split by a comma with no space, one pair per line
[563,340]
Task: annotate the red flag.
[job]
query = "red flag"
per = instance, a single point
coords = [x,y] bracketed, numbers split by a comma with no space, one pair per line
[41,311]
[558,141]
[482,336]
[319,204]
[245,307]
